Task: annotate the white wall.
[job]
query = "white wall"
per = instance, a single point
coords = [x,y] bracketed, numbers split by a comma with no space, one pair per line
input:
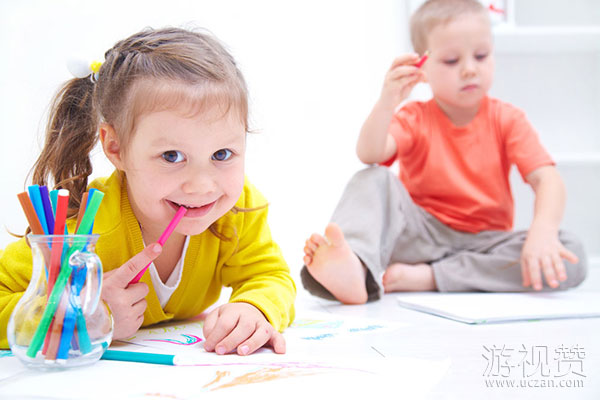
[314,68]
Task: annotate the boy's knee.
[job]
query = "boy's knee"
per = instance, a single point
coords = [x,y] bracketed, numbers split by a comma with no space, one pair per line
[576,273]
[373,174]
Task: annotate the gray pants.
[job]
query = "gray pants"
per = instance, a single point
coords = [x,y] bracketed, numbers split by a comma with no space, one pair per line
[383,226]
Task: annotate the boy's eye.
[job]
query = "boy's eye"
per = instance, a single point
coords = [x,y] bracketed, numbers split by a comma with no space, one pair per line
[451,61]
[222,155]
[173,156]
[480,57]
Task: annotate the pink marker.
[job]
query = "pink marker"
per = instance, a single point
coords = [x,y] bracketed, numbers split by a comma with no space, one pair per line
[422,60]
[163,238]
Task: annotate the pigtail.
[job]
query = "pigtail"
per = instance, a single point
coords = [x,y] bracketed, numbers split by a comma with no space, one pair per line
[71,134]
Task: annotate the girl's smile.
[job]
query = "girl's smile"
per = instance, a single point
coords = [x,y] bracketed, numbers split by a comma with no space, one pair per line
[179,159]
[193,211]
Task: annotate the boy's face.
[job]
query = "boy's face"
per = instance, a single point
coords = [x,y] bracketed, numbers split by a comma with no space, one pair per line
[460,68]
[176,159]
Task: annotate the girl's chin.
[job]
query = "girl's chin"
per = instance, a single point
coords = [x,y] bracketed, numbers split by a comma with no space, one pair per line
[191,229]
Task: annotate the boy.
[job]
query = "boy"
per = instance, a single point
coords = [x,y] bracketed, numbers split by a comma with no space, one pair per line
[445,224]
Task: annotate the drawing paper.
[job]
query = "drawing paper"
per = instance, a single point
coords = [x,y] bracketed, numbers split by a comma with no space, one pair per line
[481,308]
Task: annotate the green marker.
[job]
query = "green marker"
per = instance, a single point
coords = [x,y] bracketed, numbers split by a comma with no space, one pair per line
[63,276]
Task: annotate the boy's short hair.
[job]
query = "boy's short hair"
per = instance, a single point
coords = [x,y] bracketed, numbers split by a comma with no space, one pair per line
[435,12]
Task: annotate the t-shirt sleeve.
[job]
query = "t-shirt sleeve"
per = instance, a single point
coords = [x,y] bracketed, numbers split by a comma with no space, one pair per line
[402,129]
[521,141]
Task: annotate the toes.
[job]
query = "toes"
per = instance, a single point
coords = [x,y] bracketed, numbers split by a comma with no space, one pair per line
[310,246]
[334,234]
[307,260]
[308,251]
[317,240]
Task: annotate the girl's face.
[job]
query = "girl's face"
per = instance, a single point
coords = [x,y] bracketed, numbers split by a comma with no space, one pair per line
[176,160]
[461,66]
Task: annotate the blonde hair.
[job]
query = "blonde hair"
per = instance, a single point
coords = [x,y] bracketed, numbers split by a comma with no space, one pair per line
[151,70]
[435,12]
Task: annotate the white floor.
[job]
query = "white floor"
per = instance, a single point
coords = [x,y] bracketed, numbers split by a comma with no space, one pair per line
[430,337]
[415,355]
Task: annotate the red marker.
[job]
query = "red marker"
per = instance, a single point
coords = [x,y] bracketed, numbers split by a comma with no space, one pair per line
[422,59]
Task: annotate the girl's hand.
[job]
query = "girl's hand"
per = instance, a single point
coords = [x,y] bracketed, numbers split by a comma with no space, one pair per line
[542,254]
[127,303]
[241,327]
[400,79]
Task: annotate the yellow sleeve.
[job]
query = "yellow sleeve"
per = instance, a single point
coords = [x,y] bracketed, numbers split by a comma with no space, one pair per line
[15,274]
[257,271]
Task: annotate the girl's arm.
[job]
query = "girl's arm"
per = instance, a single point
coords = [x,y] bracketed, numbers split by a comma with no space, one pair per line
[262,300]
[15,273]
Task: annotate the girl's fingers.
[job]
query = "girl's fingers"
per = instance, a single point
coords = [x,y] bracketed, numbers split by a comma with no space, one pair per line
[139,308]
[209,324]
[277,342]
[265,334]
[223,326]
[257,340]
[242,331]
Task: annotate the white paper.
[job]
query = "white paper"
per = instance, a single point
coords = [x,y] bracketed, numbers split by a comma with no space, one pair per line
[481,308]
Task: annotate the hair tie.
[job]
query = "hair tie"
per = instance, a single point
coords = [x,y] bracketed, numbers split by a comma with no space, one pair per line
[82,69]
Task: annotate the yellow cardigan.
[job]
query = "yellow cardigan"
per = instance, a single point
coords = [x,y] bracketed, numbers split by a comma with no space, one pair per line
[252,265]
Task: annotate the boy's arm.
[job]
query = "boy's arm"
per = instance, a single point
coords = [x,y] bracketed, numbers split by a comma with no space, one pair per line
[375,144]
[543,252]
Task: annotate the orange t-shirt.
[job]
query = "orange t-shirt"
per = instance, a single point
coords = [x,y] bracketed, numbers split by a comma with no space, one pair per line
[461,174]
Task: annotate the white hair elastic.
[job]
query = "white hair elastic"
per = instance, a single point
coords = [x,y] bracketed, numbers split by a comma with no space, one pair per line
[82,69]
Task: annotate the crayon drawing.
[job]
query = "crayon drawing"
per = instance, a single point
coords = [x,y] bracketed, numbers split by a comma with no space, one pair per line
[188,340]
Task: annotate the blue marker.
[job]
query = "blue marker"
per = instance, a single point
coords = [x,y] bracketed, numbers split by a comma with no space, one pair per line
[134,356]
[36,199]
[47,209]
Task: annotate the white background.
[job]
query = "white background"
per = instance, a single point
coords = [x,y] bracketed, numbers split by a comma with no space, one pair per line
[314,69]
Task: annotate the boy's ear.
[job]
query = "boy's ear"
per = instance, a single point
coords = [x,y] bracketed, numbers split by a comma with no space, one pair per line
[111,145]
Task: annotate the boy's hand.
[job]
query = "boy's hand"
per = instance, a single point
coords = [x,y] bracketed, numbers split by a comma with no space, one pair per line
[127,303]
[400,79]
[542,254]
[240,326]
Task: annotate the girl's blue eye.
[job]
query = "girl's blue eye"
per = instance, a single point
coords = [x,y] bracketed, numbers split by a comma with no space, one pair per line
[222,155]
[173,156]
[480,57]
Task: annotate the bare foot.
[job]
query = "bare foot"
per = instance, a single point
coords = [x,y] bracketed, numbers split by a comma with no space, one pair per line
[408,278]
[334,265]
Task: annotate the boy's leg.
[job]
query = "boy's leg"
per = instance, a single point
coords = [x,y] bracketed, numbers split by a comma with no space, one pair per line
[374,211]
[490,262]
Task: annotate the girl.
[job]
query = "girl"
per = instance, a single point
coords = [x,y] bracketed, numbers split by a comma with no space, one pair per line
[170,108]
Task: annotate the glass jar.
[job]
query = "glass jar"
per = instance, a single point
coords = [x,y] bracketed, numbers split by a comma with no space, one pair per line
[60,321]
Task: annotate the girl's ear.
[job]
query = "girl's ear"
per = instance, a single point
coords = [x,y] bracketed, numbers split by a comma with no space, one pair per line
[110,145]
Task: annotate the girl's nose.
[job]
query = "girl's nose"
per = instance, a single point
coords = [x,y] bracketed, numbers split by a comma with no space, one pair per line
[199,182]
